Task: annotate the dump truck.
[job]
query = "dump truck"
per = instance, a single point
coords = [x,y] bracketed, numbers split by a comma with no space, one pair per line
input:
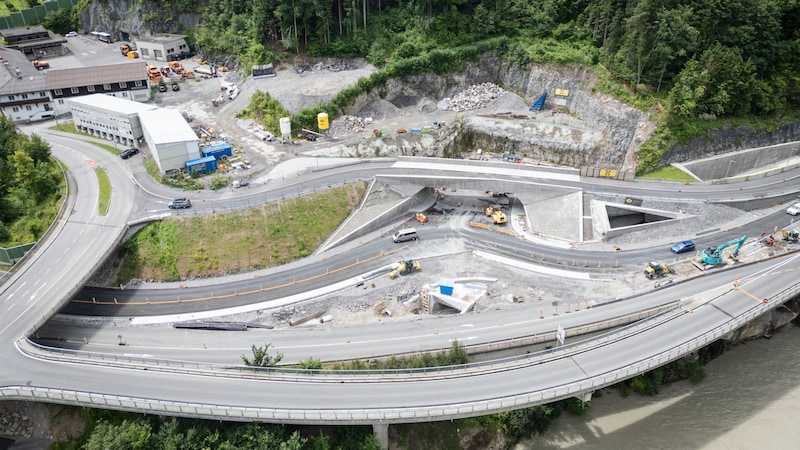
[125,49]
[406,267]
[654,270]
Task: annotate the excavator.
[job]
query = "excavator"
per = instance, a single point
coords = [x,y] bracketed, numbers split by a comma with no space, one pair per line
[654,270]
[790,235]
[713,255]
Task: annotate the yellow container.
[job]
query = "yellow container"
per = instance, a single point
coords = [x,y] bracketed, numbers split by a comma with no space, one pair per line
[322,121]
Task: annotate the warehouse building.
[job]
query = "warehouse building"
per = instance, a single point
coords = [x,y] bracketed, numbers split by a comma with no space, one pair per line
[171,140]
[110,118]
[163,48]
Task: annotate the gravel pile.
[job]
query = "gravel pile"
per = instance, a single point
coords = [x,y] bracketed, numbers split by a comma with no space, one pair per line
[380,110]
[474,97]
[347,125]
[509,102]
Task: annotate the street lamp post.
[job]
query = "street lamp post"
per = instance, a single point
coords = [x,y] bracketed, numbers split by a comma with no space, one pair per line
[729,168]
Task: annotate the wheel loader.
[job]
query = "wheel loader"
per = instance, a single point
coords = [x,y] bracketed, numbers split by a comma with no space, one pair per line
[655,270]
[406,267]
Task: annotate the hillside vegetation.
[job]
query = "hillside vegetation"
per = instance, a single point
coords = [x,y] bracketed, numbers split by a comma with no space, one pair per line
[703,63]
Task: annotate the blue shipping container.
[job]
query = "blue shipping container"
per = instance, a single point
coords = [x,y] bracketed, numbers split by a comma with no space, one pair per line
[202,165]
[218,150]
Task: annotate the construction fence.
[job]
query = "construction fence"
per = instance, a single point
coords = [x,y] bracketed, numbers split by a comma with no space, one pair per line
[34,16]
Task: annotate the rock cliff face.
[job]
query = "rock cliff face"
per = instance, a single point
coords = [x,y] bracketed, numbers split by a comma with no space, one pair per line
[125,19]
[729,139]
[583,128]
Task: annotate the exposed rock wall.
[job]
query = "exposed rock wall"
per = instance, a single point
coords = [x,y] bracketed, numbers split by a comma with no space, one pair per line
[124,19]
[729,139]
[592,130]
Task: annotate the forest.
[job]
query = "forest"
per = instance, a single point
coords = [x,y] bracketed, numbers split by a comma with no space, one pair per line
[703,59]
[30,186]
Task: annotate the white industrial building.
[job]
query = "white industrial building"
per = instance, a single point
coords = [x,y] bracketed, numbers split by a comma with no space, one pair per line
[161,47]
[110,118]
[171,140]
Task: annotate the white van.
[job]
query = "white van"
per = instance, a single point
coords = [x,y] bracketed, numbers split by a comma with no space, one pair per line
[408,234]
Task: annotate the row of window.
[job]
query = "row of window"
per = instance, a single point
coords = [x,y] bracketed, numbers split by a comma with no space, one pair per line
[24,96]
[91,88]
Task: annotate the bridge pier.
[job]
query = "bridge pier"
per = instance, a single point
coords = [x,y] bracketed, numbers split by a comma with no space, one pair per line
[585,397]
[381,432]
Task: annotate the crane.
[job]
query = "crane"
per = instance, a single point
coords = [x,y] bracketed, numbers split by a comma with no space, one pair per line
[713,255]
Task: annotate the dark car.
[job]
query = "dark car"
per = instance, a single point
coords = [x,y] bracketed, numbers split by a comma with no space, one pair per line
[683,247]
[175,86]
[180,203]
[128,153]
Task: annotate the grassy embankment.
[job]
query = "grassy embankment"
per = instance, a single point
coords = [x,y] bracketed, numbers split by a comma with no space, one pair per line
[263,236]
[105,191]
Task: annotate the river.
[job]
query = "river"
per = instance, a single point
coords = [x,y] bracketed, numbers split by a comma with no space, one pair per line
[750,399]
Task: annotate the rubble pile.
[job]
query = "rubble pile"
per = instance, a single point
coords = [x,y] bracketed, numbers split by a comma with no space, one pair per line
[347,125]
[474,97]
[330,67]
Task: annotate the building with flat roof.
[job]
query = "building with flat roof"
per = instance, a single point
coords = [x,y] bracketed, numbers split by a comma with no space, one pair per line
[35,42]
[23,89]
[171,47]
[171,140]
[128,80]
[108,117]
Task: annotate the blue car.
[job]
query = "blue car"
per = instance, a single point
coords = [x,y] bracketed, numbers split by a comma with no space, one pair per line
[682,247]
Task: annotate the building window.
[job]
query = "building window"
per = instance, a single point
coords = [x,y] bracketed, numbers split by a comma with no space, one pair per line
[137,83]
[24,95]
[90,88]
[158,54]
[15,109]
[145,52]
[107,87]
[58,92]
[123,85]
[74,90]
[28,107]
[42,94]
[11,97]
[61,101]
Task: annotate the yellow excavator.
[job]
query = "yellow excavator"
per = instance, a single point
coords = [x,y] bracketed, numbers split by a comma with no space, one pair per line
[655,270]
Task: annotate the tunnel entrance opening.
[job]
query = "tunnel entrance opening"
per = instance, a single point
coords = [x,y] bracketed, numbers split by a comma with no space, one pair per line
[621,217]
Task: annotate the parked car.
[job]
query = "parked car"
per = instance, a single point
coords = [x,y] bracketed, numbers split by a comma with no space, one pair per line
[175,86]
[128,153]
[180,203]
[683,247]
[794,209]
[71,34]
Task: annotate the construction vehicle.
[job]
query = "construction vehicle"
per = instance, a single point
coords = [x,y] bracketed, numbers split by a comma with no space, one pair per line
[125,49]
[654,270]
[40,65]
[713,255]
[155,75]
[790,235]
[406,267]
[498,217]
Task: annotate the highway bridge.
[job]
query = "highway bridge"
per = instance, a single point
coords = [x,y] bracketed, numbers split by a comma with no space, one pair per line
[158,377]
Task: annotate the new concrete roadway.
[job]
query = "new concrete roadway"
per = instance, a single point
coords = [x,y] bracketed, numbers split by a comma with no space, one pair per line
[153,380]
